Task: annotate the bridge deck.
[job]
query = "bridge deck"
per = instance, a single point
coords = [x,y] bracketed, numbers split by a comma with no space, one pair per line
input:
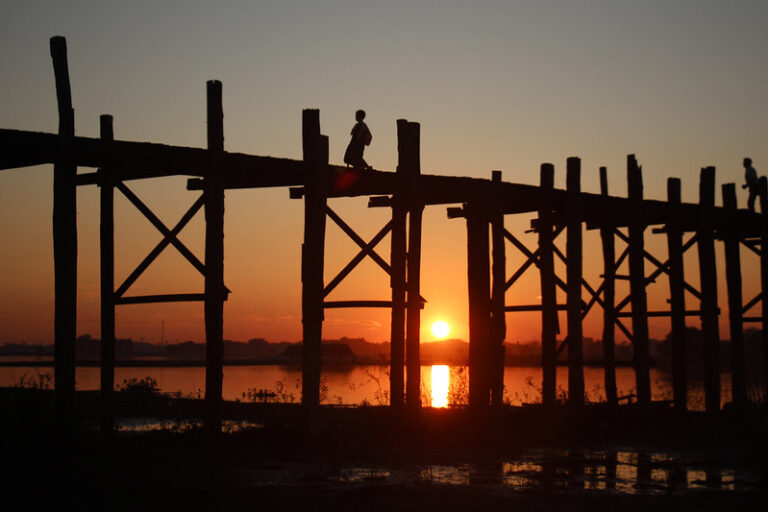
[139,160]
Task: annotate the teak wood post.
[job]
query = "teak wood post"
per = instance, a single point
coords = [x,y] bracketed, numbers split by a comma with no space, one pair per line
[573,251]
[107,268]
[498,286]
[479,288]
[764,270]
[609,300]
[412,170]
[312,256]
[548,292]
[676,295]
[214,260]
[64,239]
[731,239]
[397,274]
[709,321]
[637,283]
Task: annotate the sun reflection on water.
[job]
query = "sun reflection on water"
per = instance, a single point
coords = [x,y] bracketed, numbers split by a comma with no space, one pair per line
[440,385]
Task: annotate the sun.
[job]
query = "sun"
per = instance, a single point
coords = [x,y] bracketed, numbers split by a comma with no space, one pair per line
[440,329]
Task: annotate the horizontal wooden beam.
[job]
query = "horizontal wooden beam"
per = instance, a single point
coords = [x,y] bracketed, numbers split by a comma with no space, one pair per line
[530,307]
[659,314]
[137,160]
[380,202]
[357,304]
[152,299]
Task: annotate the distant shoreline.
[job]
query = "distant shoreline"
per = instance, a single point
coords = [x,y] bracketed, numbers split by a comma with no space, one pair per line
[171,363]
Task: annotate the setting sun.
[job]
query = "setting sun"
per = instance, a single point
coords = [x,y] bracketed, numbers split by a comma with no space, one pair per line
[440,329]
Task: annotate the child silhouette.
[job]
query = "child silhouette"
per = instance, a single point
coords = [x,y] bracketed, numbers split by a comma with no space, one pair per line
[361,137]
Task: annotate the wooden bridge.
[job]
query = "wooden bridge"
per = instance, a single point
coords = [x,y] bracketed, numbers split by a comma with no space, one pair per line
[484,203]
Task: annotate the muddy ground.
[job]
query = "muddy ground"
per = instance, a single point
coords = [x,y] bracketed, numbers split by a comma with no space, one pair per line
[273,457]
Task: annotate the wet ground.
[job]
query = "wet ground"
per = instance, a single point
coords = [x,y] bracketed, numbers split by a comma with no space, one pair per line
[272,458]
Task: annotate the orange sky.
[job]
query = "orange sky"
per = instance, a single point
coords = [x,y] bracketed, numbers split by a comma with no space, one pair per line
[495,86]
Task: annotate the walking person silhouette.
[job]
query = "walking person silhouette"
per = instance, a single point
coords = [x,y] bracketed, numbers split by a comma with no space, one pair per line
[361,137]
[750,176]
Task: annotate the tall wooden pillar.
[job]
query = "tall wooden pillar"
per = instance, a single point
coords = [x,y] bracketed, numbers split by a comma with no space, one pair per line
[397,274]
[498,287]
[764,271]
[64,238]
[549,325]
[479,288]
[214,260]
[573,252]
[732,240]
[312,256]
[709,321]
[410,151]
[609,300]
[676,296]
[637,284]
[107,267]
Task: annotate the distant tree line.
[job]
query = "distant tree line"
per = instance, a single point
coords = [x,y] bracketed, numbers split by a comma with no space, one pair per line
[358,350]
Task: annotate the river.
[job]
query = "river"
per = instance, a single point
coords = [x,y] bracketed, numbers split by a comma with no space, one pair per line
[363,384]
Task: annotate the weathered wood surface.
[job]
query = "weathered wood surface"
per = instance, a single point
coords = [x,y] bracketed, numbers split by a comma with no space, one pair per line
[709,311]
[574,249]
[215,293]
[549,321]
[640,342]
[498,287]
[609,301]
[315,148]
[107,270]
[64,238]
[735,304]
[410,146]
[676,298]
[764,272]
[479,290]
[398,256]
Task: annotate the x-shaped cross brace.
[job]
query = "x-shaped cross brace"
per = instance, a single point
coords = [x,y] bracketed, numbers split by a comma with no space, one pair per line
[366,249]
[170,236]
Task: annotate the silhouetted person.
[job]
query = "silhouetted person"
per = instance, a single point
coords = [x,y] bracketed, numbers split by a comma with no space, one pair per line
[361,137]
[750,176]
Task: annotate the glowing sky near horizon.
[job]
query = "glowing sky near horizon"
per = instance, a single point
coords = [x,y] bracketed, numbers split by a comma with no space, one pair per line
[495,85]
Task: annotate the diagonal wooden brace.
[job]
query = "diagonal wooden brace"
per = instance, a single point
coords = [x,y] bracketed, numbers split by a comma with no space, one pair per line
[660,268]
[365,251]
[170,235]
[532,256]
[152,218]
[359,241]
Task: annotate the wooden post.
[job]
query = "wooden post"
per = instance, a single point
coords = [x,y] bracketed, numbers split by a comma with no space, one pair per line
[549,322]
[764,271]
[676,296]
[609,300]
[637,284]
[573,252]
[412,166]
[709,321]
[478,284]
[312,257]
[731,238]
[64,239]
[397,274]
[107,256]
[499,327]
[214,260]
